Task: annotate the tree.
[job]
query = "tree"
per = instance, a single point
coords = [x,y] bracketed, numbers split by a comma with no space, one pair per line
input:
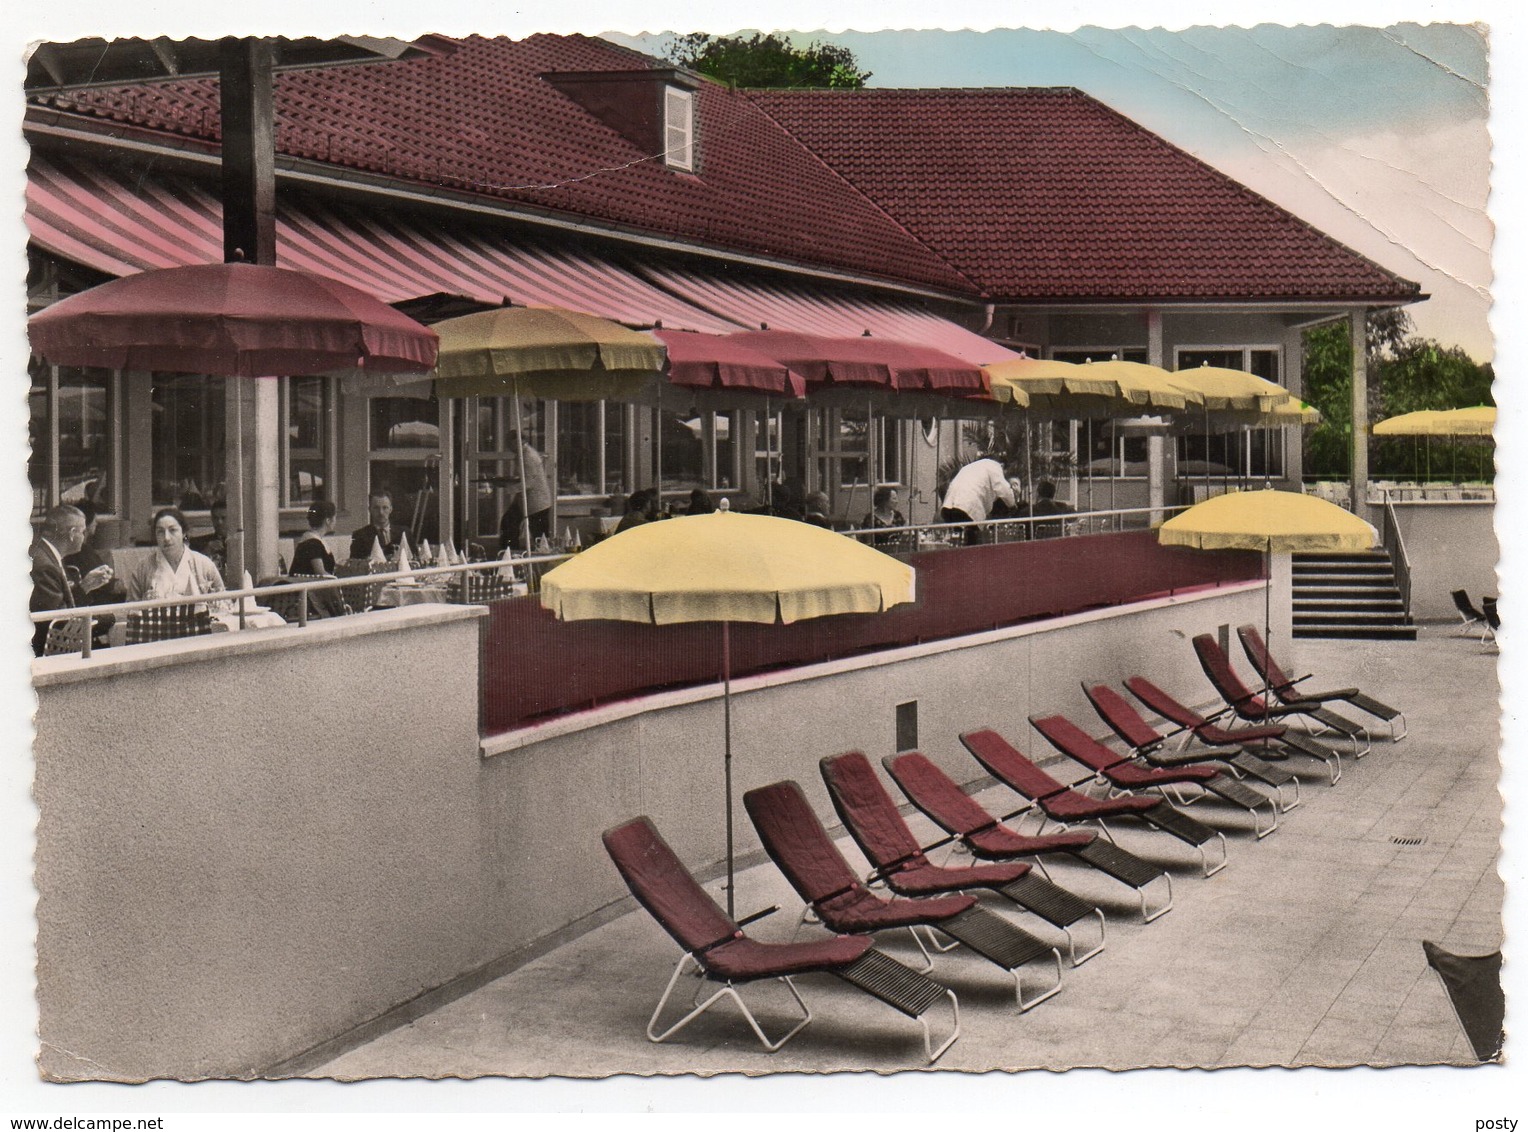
[1406,373]
[768,60]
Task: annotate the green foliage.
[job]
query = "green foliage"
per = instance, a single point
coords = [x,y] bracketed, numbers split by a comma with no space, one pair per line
[768,60]
[1406,374]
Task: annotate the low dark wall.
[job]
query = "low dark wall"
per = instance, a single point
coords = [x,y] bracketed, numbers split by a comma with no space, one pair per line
[534,665]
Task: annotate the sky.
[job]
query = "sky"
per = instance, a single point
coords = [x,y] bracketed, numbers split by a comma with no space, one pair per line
[1388,128]
[1377,136]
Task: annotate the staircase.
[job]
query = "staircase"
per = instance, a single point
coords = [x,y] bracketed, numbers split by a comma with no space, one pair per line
[1352,596]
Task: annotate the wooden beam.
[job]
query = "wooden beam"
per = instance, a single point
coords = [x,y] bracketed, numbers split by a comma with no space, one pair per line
[249,151]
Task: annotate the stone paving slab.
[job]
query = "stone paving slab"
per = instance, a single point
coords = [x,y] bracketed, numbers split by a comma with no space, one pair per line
[1305,951]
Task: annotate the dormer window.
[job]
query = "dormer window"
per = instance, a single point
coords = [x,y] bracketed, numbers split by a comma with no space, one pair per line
[653,109]
[678,129]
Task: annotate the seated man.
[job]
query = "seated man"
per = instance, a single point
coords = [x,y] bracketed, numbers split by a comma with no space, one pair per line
[1045,504]
[87,559]
[62,534]
[973,494]
[817,507]
[215,545]
[381,529]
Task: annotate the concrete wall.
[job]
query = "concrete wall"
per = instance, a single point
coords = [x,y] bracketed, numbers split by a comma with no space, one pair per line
[1451,546]
[250,845]
[250,842]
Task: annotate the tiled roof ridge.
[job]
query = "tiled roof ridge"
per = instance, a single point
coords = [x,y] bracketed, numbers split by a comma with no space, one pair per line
[1246,191]
[870,201]
[1151,137]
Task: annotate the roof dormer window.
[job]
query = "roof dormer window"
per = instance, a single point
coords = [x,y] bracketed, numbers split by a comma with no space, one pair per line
[678,129]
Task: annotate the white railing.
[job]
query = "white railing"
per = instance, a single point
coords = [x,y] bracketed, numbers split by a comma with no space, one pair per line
[235,608]
[935,536]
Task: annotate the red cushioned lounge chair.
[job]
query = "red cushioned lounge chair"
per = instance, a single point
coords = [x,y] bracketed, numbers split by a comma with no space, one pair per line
[1065,806]
[1285,690]
[872,819]
[797,843]
[1267,741]
[1124,774]
[719,950]
[1252,707]
[1148,743]
[986,837]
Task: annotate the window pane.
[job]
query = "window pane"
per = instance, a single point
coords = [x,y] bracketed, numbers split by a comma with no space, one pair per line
[188,437]
[308,407]
[724,450]
[1101,354]
[404,422]
[684,447]
[38,463]
[1221,359]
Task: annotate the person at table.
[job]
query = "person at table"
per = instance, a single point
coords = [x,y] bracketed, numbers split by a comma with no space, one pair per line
[531,501]
[883,514]
[974,494]
[215,545]
[700,503]
[89,558]
[54,585]
[1046,504]
[174,569]
[815,510]
[381,529]
[313,558]
[641,507]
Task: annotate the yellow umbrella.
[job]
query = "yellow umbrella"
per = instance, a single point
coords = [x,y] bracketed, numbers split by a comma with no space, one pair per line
[1230,388]
[1477,421]
[1285,522]
[1282,521]
[726,567]
[1146,385]
[544,352]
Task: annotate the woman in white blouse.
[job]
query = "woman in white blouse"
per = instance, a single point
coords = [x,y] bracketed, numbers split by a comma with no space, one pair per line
[174,570]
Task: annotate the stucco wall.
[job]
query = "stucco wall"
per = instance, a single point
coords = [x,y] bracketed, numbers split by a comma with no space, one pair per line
[241,853]
[1451,546]
[250,846]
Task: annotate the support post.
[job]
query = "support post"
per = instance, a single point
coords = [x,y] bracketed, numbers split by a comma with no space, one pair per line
[1156,443]
[1360,438]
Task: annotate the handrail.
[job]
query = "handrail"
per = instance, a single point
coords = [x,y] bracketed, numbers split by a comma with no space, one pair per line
[228,598]
[917,531]
[1395,545]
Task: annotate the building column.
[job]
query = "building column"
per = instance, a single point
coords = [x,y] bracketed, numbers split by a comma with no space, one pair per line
[247,106]
[1359,487]
[1156,443]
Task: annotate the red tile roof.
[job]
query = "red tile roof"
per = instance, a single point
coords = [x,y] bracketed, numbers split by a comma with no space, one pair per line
[1042,194]
[481,121]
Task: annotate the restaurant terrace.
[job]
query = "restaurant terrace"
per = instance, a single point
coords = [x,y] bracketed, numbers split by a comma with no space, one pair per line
[420,745]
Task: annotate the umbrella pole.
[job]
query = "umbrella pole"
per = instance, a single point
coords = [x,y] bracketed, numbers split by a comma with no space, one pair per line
[525,494]
[727,756]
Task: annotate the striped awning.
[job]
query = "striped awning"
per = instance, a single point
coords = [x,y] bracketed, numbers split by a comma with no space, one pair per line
[807,309]
[118,223]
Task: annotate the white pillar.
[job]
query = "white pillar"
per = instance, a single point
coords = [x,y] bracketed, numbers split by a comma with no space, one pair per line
[252,475]
[1360,438]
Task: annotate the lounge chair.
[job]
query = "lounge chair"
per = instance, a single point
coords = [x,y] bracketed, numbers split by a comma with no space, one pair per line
[871,817]
[1269,740]
[1285,690]
[1254,708]
[1470,617]
[1492,618]
[719,951]
[1124,774]
[1065,806]
[986,837]
[797,843]
[1149,744]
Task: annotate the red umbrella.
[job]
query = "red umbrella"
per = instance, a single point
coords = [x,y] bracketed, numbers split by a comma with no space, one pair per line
[231,319]
[881,363]
[717,363]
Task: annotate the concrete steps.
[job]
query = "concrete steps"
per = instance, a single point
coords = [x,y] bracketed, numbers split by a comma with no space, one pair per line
[1349,596]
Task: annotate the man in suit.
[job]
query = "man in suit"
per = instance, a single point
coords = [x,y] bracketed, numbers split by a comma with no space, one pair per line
[62,534]
[380,529]
[214,545]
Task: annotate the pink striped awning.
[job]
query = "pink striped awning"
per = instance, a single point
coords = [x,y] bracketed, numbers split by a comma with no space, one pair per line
[120,225]
[805,309]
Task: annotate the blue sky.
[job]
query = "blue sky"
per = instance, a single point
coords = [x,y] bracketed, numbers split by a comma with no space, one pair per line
[1376,135]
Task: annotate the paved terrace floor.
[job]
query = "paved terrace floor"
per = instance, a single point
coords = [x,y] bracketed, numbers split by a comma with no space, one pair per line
[1305,951]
